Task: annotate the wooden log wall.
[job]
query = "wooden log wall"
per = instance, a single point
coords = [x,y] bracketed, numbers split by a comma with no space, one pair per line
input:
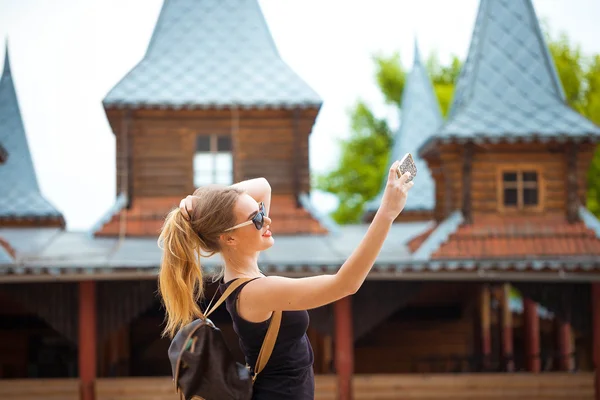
[56,303]
[269,143]
[401,345]
[449,163]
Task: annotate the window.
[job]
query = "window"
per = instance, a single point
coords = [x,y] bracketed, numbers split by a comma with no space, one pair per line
[213,160]
[519,189]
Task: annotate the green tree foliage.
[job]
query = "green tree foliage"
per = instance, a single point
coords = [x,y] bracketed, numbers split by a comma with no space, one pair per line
[363,158]
[580,78]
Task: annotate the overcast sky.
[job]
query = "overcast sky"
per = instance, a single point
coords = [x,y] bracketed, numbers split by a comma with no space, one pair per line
[67,54]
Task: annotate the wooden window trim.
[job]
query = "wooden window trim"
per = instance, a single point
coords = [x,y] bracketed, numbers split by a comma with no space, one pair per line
[520,185]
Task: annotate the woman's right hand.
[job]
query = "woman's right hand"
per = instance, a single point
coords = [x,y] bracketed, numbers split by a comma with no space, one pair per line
[396,193]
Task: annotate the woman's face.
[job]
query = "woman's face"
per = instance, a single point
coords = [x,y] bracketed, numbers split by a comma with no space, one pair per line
[248,238]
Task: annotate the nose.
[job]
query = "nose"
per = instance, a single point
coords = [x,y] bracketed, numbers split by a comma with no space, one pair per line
[267,220]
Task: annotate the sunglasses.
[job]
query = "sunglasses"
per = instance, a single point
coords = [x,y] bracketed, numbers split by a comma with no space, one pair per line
[258,220]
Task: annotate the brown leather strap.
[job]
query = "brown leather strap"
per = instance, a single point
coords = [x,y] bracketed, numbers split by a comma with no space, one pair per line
[268,344]
[234,285]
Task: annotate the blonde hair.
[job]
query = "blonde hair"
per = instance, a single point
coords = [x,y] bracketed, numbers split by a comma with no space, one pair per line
[180,280]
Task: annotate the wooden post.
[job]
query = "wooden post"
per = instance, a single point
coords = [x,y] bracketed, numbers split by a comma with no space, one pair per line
[596,334]
[565,347]
[327,354]
[507,330]
[344,347]
[296,158]
[466,182]
[572,198]
[87,339]
[485,320]
[532,335]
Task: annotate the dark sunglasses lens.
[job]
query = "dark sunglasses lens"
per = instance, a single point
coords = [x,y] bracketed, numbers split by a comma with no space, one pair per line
[258,220]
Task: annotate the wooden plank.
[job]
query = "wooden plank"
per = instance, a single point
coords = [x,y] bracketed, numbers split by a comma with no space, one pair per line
[35,389]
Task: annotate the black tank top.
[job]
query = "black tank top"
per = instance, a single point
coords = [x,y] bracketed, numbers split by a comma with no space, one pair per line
[289,373]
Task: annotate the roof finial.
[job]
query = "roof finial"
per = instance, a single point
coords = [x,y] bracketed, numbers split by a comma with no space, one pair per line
[6,70]
[417,53]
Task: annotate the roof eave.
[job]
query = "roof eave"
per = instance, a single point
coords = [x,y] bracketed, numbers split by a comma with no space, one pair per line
[122,105]
[518,270]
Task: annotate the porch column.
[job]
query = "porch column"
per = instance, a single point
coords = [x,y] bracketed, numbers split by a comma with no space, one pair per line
[596,334]
[532,335]
[565,345]
[507,330]
[87,339]
[344,347]
[485,324]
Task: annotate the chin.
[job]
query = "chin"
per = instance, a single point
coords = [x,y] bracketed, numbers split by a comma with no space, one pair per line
[267,242]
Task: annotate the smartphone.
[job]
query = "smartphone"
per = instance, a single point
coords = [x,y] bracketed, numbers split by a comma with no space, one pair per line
[407,164]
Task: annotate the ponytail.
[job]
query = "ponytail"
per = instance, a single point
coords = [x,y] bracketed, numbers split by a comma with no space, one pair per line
[180,277]
[189,231]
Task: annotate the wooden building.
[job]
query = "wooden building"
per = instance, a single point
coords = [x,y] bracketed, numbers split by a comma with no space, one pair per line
[212,101]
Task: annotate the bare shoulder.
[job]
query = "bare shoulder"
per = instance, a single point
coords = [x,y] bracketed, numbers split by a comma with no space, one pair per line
[276,293]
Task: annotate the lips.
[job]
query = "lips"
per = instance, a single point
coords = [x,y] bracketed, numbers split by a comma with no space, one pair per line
[267,233]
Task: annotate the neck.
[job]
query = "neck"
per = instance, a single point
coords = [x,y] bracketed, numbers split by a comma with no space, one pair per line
[241,265]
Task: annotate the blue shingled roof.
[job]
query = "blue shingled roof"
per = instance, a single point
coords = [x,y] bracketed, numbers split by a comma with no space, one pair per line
[212,53]
[508,86]
[20,196]
[420,118]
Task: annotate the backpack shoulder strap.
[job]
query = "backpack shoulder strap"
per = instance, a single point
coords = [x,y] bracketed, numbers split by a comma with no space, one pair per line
[268,344]
[234,285]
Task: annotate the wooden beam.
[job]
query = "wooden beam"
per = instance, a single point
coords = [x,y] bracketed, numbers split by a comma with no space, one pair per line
[344,347]
[296,161]
[532,335]
[507,330]
[87,339]
[572,199]
[485,324]
[466,182]
[596,334]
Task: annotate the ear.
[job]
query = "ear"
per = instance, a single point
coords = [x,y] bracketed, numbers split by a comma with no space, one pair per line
[228,240]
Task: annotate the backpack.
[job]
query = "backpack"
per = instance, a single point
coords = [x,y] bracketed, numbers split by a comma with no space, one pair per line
[202,364]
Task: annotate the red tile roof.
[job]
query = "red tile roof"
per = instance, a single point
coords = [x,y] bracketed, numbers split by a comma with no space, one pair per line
[496,236]
[146,216]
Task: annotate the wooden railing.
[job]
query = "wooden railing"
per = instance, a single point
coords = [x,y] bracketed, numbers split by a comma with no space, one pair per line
[38,389]
[155,388]
[557,386]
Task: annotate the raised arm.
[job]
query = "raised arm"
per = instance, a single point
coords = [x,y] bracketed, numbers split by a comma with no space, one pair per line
[279,293]
[259,189]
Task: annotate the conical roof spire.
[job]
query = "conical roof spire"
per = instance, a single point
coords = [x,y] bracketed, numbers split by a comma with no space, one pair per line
[508,86]
[20,196]
[420,118]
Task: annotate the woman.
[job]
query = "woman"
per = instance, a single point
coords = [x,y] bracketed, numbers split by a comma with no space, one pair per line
[234,222]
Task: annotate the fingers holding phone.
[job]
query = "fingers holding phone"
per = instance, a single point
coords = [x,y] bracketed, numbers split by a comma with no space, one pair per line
[398,185]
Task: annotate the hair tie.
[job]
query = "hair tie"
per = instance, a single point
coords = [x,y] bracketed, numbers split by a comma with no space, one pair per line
[187,206]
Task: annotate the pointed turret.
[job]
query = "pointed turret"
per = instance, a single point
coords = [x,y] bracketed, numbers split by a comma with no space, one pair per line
[211,53]
[508,88]
[217,105]
[420,117]
[21,202]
